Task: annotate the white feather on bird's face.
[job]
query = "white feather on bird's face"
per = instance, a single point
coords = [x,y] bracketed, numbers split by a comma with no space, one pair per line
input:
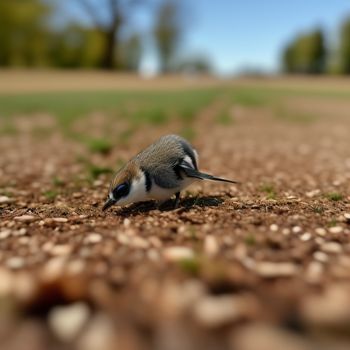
[137,192]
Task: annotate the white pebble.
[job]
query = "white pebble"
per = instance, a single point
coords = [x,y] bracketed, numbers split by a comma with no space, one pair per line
[336,229]
[305,237]
[139,242]
[20,232]
[25,218]
[178,253]
[296,229]
[61,249]
[67,321]
[331,247]
[217,311]
[93,238]
[272,269]
[5,200]
[320,256]
[313,193]
[211,246]
[53,268]
[126,222]
[16,262]
[320,231]
[274,228]
[5,233]
[60,220]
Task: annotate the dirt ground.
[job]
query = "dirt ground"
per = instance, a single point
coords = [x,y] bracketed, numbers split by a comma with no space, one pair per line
[260,265]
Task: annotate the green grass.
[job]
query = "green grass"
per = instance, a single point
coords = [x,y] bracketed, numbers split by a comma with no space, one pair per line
[137,108]
[333,222]
[101,146]
[224,118]
[190,266]
[269,190]
[156,108]
[51,194]
[58,182]
[334,196]
[250,240]
[95,171]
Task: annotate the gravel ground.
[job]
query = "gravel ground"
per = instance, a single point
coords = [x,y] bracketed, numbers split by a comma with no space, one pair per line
[261,265]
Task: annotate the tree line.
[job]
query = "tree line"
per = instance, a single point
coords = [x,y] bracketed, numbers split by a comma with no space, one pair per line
[308,53]
[29,39]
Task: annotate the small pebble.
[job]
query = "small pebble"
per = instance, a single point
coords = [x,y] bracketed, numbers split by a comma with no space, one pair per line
[286,231]
[66,321]
[5,233]
[61,249]
[20,232]
[178,253]
[53,269]
[93,238]
[314,272]
[15,262]
[305,237]
[336,229]
[211,246]
[272,269]
[313,193]
[139,242]
[320,231]
[25,218]
[126,222]
[5,200]
[216,311]
[331,247]
[296,229]
[274,228]
[320,256]
[60,220]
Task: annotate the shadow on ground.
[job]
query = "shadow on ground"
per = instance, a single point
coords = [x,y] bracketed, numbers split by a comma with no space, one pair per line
[185,205]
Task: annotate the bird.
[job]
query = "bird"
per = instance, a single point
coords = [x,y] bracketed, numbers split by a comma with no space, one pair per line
[160,171]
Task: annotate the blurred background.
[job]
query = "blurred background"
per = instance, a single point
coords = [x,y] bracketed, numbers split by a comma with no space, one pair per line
[261,89]
[170,36]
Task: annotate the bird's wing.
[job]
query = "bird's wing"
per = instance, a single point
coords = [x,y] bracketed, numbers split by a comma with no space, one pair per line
[166,176]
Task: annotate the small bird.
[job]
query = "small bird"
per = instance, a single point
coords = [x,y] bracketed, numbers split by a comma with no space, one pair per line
[158,172]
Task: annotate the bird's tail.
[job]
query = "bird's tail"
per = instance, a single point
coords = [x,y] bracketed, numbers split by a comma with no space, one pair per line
[190,172]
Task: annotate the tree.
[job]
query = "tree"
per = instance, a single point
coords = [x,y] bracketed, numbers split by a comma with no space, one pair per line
[306,54]
[131,52]
[109,24]
[76,46]
[23,32]
[167,33]
[344,49]
[194,65]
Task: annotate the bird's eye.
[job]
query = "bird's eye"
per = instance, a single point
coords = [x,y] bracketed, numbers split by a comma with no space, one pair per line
[121,190]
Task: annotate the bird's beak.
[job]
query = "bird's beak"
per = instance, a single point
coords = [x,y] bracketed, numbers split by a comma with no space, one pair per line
[108,204]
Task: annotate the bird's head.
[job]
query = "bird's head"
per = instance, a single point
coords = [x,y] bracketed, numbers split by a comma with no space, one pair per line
[128,186]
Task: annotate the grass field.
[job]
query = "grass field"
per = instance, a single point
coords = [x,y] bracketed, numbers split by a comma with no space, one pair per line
[252,266]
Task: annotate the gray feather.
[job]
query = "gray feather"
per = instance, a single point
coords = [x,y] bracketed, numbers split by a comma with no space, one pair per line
[162,157]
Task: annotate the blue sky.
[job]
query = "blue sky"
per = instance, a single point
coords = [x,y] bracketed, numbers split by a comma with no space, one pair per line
[247,34]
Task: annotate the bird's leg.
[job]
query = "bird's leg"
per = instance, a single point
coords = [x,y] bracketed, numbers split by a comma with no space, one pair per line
[177,200]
